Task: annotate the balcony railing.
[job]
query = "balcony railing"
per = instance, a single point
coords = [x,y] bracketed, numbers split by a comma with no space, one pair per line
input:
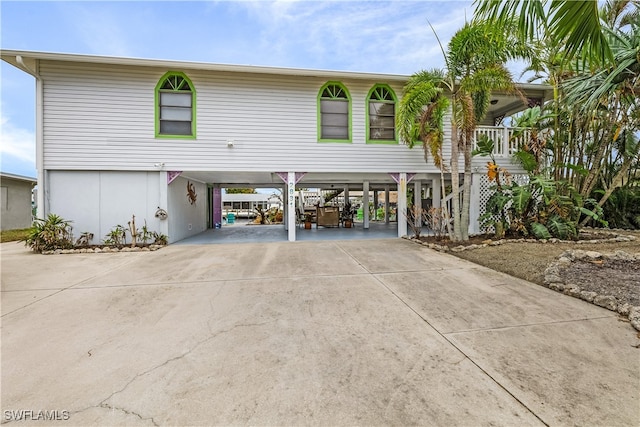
[505,143]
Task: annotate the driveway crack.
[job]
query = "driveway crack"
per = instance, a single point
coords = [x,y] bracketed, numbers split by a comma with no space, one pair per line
[116,408]
[103,402]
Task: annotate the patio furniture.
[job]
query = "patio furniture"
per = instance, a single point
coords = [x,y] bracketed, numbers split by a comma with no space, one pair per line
[328,216]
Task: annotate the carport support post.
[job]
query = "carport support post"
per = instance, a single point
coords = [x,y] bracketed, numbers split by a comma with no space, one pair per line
[375,205]
[401,214]
[365,204]
[386,204]
[285,209]
[163,202]
[417,201]
[436,195]
[291,206]
[217,205]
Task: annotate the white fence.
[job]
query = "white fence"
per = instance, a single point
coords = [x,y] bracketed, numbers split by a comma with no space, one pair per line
[503,137]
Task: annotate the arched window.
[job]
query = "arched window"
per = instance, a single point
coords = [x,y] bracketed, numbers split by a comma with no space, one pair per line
[381,115]
[334,111]
[175,106]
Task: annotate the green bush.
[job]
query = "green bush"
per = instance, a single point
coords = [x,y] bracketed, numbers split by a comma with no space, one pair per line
[49,234]
[117,236]
[159,238]
[623,207]
[542,208]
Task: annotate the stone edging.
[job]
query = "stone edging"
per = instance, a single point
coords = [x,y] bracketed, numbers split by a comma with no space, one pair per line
[553,281]
[105,249]
[490,242]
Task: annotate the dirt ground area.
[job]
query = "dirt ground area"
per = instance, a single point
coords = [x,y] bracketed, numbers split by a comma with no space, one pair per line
[528,261]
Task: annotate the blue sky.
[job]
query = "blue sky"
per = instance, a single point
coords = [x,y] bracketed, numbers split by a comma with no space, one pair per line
[373,36]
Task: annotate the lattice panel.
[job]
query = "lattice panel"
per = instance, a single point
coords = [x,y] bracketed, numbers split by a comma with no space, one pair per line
[487,190]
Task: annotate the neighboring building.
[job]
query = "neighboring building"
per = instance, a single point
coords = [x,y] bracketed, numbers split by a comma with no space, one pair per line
[16,201]
[123,136]
[244,205]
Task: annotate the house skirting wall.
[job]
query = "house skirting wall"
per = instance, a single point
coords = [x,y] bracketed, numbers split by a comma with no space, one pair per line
[97,201]
[186,218]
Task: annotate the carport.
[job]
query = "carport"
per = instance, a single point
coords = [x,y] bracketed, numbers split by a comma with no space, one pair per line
[290,182]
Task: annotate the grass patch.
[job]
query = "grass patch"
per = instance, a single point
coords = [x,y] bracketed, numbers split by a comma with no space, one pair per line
[13,235]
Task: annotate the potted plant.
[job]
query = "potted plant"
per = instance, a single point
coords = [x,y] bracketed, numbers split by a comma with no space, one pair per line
[347,215]
[308,216]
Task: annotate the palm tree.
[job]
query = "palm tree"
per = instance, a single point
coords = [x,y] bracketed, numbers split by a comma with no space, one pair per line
[595,107]
[572,23]
[475,60]
[610,97]
[421,118]
[622,74]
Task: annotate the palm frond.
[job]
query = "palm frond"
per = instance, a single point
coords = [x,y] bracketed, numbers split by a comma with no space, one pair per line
[421,112]
[577,24]
[588,89]
[530,16]
[420,90]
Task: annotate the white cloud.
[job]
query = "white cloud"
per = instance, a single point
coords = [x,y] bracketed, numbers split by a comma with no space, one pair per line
[17,143]
[375,36]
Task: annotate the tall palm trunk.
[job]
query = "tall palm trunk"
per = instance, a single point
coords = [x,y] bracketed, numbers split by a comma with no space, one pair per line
[557,145]
[455,182]
[466,190]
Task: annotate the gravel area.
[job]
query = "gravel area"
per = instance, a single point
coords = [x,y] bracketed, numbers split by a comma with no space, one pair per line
[606,270]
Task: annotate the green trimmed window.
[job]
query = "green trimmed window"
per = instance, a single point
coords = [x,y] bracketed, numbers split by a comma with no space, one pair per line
[175,106]
[334,109]
[381,113]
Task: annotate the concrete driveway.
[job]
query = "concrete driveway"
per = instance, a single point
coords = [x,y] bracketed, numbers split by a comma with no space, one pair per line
[374,332]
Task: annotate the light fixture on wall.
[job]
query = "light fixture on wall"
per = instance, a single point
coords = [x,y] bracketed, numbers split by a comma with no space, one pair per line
[159,165]
[230,143]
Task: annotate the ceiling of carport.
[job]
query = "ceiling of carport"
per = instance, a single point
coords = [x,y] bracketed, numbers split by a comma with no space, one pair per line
[326,181]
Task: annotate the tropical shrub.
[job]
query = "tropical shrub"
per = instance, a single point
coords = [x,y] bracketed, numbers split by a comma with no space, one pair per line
[145,234]
[54,232]
[543,207]
[159,238]
[49,234]
[623,208]
[116,236]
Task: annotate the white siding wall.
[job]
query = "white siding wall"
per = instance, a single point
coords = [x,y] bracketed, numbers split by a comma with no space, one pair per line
[184,218]
[98,201]
[101,117]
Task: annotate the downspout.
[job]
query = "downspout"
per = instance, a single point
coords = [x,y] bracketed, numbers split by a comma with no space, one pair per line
[42,209]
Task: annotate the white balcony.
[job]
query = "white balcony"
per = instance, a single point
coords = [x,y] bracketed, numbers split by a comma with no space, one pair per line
[505,143]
